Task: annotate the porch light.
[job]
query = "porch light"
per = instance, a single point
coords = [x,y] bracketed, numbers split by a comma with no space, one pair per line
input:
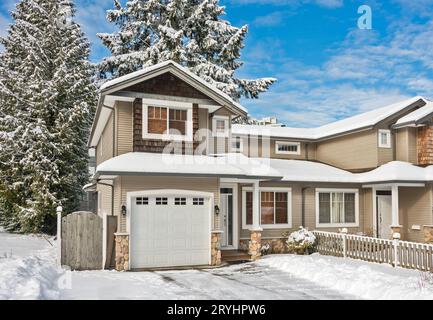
[124,210]
[217,210]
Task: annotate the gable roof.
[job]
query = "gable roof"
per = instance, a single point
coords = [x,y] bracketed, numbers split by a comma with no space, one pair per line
[416,117]
[178,70]
[353,124]
[112,86]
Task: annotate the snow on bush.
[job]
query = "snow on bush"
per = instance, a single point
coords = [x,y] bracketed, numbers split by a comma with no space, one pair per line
[301,241]
[265,249]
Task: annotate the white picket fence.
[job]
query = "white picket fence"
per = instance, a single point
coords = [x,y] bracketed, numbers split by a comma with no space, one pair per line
[411,255]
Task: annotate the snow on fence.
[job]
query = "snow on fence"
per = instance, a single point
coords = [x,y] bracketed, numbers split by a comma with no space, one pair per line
[403,254]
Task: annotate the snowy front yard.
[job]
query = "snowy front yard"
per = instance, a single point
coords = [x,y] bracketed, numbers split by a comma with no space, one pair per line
[28,271]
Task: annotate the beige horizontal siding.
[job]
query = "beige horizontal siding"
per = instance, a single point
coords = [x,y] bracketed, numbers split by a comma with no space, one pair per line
[104,149]
[124,128]
[351,152]
[415,209]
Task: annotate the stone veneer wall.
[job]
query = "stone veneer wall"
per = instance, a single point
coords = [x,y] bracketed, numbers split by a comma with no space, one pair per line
[216,248]
[277,245]
[122,252]
[425,145]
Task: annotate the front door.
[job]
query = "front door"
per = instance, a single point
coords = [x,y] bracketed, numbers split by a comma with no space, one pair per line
[384,216]
[227,217]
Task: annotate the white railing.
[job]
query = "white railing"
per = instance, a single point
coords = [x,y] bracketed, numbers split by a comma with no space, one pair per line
[411,255]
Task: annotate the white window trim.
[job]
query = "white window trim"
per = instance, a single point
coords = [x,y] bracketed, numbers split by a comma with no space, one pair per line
[388,133]
[338,225]
[287,225]
[241,144]
[169,105]
[224,134]
[297,144]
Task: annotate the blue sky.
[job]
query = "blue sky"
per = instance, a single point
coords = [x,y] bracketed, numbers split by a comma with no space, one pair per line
[326,67]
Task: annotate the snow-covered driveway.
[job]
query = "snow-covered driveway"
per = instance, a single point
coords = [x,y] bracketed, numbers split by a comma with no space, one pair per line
[246,281]
[28,271]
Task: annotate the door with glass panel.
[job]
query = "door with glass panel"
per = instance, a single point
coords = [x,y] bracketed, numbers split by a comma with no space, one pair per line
[227,217]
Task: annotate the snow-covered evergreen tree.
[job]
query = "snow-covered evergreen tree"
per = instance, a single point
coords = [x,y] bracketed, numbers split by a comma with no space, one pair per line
[47,101]
[190,32]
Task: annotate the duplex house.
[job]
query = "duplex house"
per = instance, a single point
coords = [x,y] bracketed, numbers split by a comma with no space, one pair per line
[183,184]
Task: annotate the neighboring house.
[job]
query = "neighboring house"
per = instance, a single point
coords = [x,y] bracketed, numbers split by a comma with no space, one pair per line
[184,183]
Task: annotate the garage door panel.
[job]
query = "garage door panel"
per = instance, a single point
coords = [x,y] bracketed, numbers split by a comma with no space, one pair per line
[170,235]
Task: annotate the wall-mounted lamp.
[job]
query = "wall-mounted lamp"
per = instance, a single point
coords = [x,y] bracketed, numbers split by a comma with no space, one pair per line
[124,210]
[217,210]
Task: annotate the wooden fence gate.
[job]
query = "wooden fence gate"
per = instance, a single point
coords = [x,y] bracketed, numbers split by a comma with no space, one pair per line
[81,241]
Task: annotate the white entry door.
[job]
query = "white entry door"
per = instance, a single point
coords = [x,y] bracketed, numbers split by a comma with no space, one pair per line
[384,216]
[169,230]
[228,217]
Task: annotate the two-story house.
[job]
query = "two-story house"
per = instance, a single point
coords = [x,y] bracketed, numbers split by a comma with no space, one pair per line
[186,184]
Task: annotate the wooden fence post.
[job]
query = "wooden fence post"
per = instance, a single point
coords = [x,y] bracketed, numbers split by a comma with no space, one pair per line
[395,243]
[59,235]
[344,234]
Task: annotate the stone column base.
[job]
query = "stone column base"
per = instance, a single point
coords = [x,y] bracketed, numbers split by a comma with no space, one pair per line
[122,251]
[216,248]
[428,234]
[255,244]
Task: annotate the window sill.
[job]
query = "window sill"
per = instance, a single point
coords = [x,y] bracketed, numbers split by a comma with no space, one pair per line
[269,226]
[288,153]
[337,225]
[166,137]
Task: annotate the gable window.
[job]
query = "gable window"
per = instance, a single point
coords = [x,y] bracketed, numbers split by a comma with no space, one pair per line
[156,120]
[384,138]
[337,208]
[275,208]
[220,126]
[167,122]
[177,121]
[283,147]
[237,144]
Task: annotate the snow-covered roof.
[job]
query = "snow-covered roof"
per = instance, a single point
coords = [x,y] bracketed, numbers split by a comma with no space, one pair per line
[416,116]
[227,165]
[357,122]
[309,171]
[164,65]
[396,171]
[240,166]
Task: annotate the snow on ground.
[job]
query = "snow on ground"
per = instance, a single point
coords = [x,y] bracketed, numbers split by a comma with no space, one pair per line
[27,267]
[30,272]
[354,277]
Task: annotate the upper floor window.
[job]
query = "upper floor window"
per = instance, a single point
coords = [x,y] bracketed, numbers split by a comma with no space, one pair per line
[168,123]
[384,138]
[283,147]
[237,144]
[220,126]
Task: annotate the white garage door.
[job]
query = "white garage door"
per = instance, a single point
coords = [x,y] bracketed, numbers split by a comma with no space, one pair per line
[169,230]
